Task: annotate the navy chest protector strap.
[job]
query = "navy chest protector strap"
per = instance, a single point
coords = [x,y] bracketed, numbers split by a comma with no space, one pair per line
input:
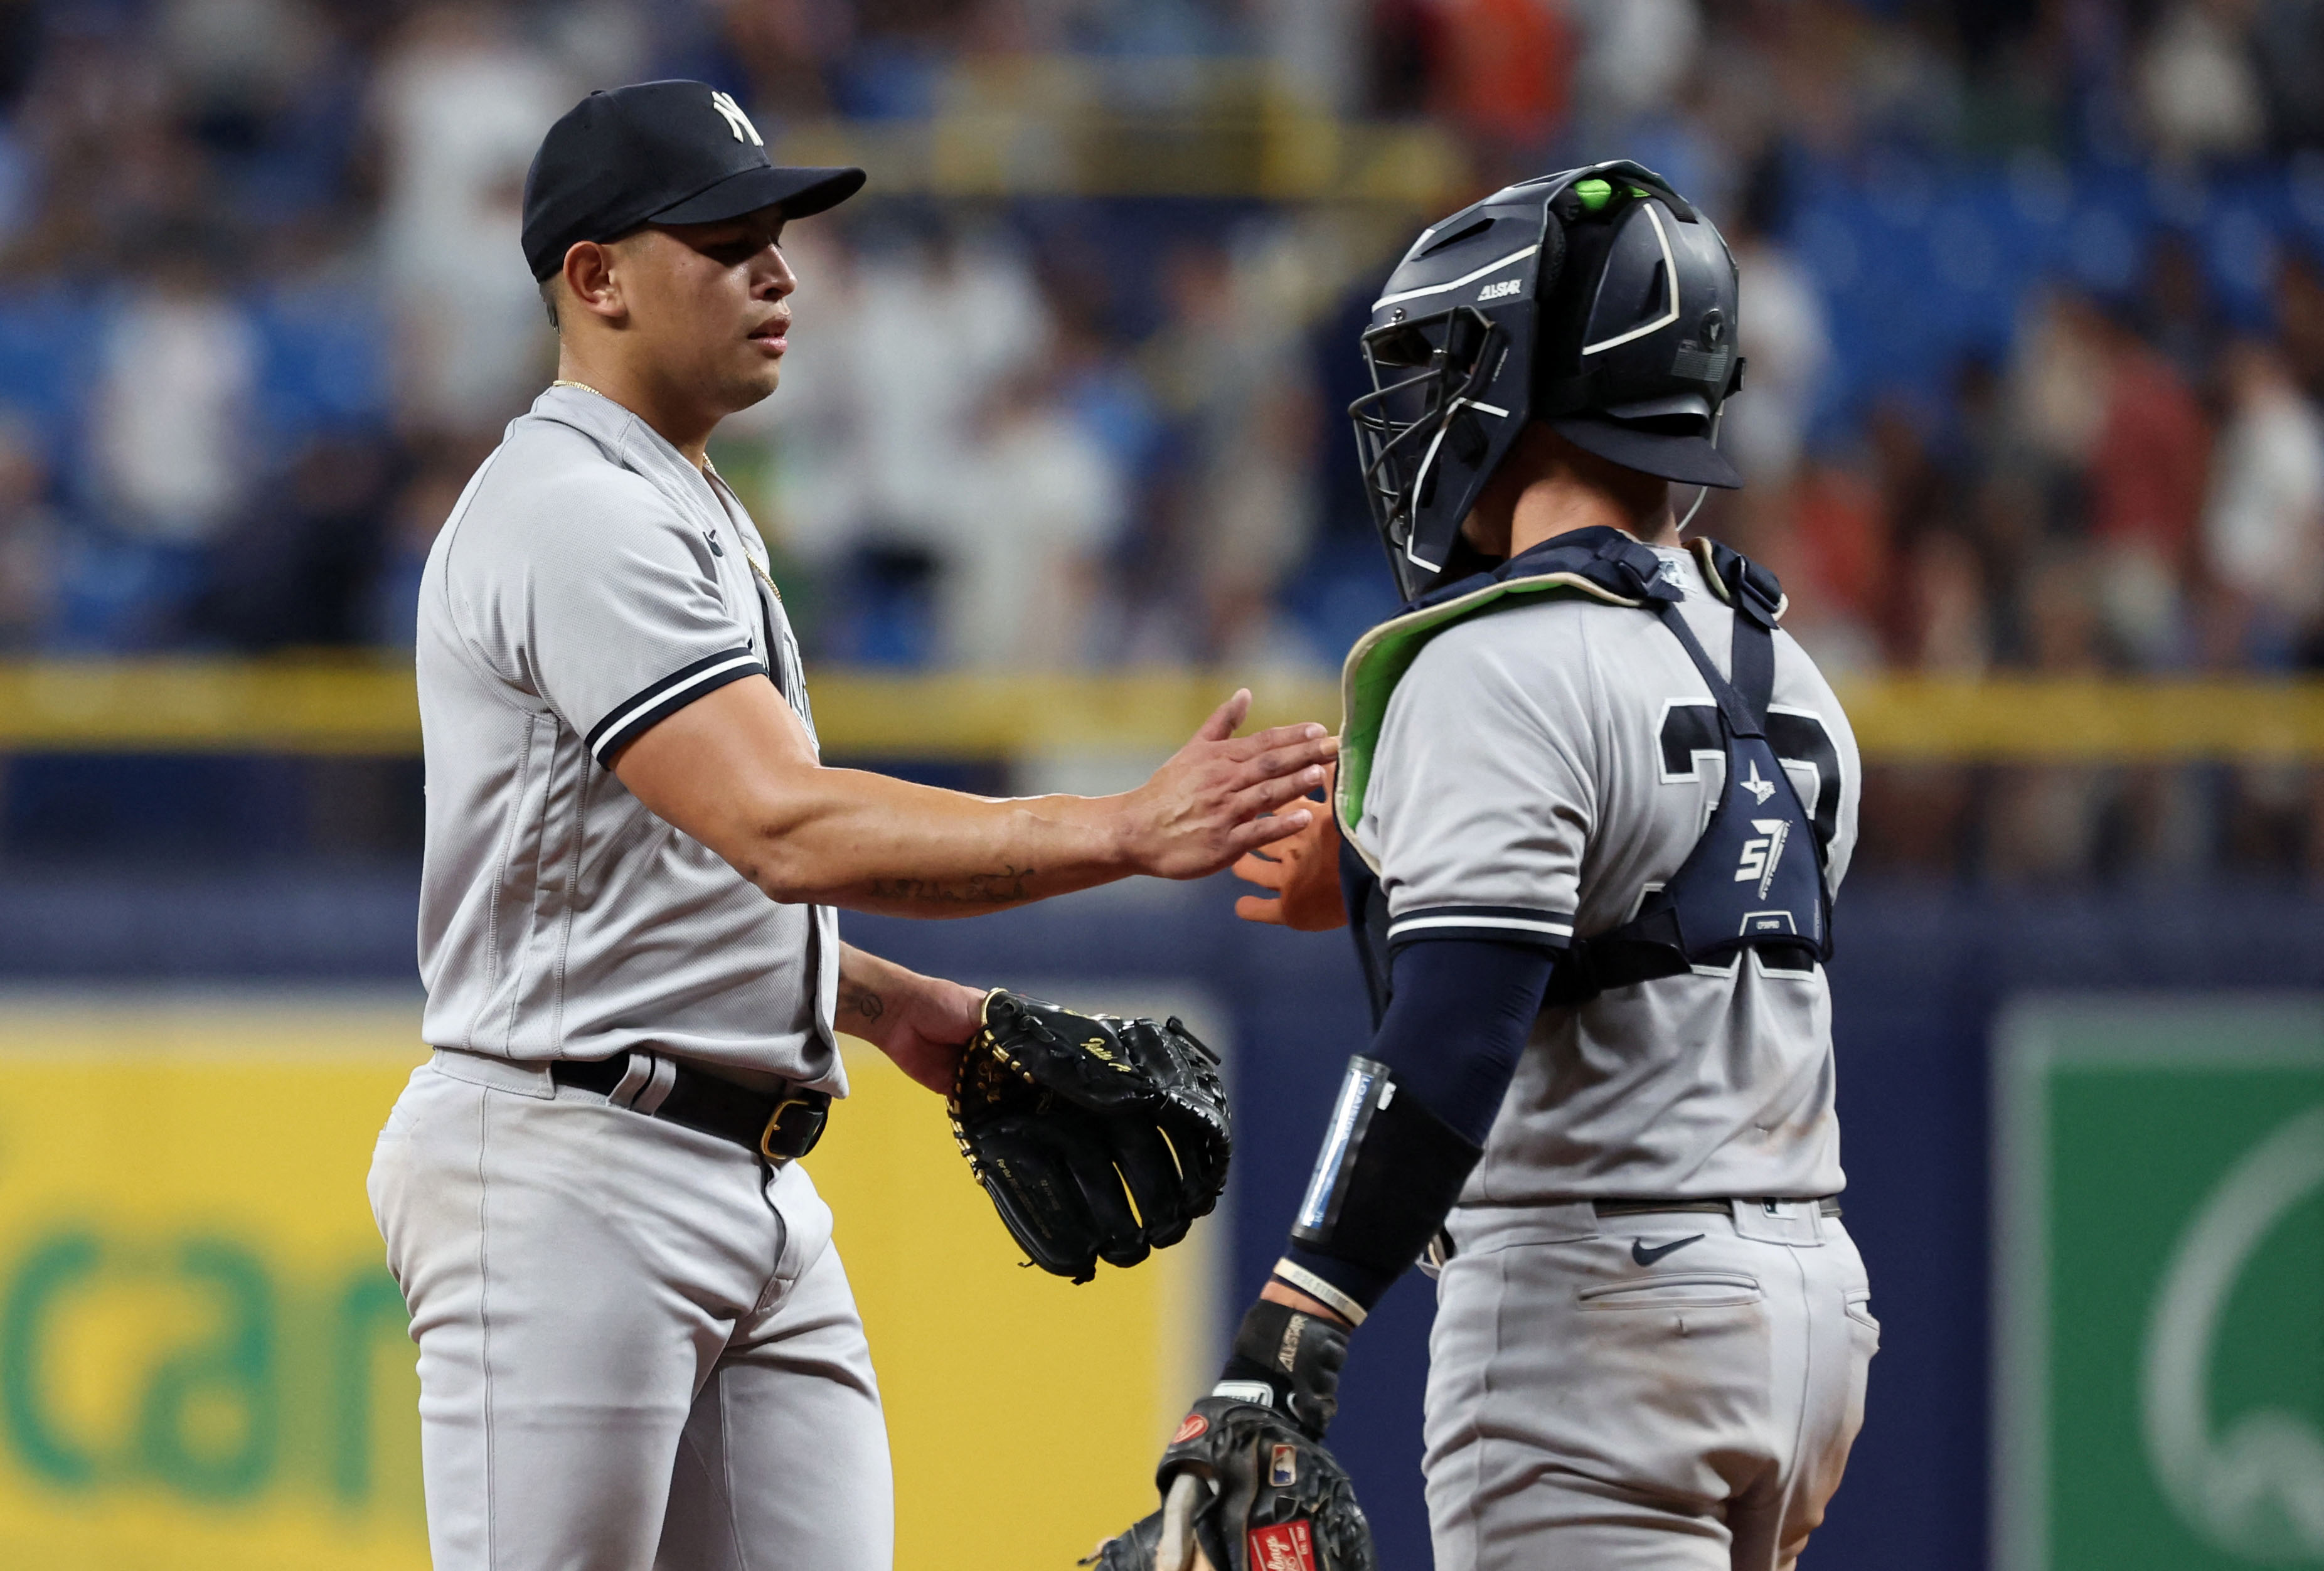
[1755,879]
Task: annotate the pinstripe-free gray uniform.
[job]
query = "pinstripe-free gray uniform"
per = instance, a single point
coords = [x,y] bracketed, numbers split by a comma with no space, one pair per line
[591,582]
[1545,764]
[636,1342]
[1649,1389]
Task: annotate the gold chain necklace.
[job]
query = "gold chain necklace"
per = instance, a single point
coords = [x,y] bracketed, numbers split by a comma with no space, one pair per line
[710,471]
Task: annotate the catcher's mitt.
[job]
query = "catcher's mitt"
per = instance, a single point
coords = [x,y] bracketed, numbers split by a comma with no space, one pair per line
[1067,1119]
[1246,1490]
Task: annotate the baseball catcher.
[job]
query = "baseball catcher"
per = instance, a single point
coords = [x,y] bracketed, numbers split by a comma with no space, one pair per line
[1592,810]
[1098,1138]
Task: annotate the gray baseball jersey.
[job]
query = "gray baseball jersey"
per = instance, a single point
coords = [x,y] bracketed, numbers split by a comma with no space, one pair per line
[591,582]
[1544,765]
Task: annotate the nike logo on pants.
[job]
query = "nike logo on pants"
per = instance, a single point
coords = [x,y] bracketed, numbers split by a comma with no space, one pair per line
[1645,1256]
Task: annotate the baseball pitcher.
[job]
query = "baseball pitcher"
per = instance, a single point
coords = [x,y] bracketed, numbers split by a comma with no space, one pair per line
[637,1344]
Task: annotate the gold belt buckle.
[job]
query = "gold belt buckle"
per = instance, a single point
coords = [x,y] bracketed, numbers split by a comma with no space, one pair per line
[774,1122]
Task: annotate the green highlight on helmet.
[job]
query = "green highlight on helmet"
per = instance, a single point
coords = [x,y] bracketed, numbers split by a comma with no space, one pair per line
[1593,194]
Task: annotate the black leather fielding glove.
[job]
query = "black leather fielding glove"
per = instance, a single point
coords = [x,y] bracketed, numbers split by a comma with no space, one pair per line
[1244,1490]
[1098,1138]
[1247,1484]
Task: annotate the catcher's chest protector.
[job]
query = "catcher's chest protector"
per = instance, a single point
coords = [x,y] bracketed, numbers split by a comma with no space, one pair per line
[1755,879]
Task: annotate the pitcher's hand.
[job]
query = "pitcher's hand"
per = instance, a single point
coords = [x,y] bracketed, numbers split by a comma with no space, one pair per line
[1303,869]
[1222,795]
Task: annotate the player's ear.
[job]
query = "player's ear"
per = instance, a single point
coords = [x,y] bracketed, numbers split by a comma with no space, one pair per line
[592,281]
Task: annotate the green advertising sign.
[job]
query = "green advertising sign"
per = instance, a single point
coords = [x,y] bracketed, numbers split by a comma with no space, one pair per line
[2159,1310]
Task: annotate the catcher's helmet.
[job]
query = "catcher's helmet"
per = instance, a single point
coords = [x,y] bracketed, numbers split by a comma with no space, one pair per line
[1599,302]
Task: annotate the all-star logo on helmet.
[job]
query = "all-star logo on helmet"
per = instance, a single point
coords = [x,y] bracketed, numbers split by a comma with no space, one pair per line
[1599,300]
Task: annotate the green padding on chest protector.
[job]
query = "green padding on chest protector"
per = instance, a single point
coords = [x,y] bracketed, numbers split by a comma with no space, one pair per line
[1382,656]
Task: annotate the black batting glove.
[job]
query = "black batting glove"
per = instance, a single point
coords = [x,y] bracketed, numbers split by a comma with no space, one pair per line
[1288,1360]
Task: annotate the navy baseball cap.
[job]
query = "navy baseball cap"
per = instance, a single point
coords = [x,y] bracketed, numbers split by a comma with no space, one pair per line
[659,152]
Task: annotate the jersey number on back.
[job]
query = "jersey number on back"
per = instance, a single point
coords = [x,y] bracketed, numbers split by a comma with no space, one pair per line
[1691,730]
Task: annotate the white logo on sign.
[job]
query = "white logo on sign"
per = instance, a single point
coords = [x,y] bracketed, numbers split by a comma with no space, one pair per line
[1760,857]
[2256,1491]
[736,121]
[1507,287]
[1760,790]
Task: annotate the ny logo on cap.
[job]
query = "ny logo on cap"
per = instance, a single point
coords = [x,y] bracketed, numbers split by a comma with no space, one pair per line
[736,121]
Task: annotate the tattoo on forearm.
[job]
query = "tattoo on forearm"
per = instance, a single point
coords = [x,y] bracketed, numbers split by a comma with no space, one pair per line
[854,998]
[1002,888]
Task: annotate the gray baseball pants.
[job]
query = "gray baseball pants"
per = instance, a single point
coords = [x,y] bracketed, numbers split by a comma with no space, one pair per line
[634,1351]
[1694,1412]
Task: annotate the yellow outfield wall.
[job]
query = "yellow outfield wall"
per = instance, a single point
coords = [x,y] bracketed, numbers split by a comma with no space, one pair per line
[203,1364]
[360,706]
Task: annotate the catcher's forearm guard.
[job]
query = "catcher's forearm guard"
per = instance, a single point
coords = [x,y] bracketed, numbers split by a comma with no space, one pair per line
[1387,1175]
[1098,1138]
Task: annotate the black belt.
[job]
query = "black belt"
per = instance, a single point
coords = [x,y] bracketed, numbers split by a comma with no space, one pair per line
[1829,1205]
[781,1127]
[1440,1248]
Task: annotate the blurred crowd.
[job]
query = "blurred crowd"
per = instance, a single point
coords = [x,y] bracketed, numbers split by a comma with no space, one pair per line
[2034,303]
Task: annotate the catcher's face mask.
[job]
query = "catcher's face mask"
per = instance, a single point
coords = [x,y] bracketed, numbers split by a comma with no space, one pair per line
[1598,300]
